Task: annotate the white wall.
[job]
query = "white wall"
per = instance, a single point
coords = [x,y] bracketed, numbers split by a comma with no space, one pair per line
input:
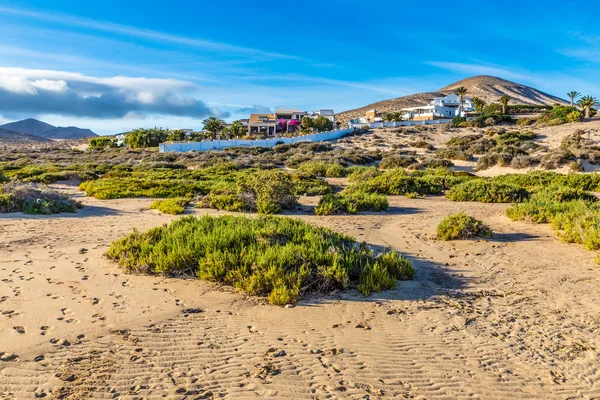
[222,144]
[375,125]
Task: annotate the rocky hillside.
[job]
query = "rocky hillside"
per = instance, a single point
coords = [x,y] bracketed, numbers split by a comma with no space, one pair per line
[12,137]
[488,88]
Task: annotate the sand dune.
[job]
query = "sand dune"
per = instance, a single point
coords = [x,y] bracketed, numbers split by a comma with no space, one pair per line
[515,316]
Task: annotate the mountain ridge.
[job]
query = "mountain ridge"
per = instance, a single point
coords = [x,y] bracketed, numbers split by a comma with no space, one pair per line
[34,127]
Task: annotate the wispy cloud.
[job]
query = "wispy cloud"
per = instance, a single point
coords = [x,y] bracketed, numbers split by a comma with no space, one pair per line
[142,33]
[480,69]
[585,54]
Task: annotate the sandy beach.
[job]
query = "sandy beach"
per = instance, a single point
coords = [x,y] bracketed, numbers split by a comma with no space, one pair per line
[516,314]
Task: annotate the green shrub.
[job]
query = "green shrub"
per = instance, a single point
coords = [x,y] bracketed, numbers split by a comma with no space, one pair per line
[281,258]
[225,201]
[322,169]
[456,121]
[101,142]
[268,191]
[462,226]
[172,206]
[33,199]
[310,186]
[484,191]
[525,121]
[588,182]
[397,161]
[3,178]
[561,115]
[433,162]
[351,203]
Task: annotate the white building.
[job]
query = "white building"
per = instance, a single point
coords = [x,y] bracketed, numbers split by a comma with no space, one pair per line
[446,107]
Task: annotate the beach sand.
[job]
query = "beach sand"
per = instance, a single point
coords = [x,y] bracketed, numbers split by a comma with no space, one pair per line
[515,316]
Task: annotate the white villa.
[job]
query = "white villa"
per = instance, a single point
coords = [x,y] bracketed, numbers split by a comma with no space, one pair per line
[440,108]
[282,119]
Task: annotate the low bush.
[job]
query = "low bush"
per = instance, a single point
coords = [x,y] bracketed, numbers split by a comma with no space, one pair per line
[267,192]
[397,161]
[462,226]
[587,182]
[351,203]
[322,169]
[574,220]
[561,115]
[172,206]
[484,191]
[33,199]
[281,258]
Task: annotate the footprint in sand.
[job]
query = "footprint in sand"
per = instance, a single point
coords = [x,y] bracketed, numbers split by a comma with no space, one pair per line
[19,329]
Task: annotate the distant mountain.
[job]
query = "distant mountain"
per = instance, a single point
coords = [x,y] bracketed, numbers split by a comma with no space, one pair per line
[34,127]
[486,87]
[12,137]
[70,132]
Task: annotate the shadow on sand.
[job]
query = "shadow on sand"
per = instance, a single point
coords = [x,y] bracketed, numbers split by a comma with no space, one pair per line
[85,212]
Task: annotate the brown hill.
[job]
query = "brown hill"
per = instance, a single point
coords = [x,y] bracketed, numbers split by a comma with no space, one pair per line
[486,87]
[12,137]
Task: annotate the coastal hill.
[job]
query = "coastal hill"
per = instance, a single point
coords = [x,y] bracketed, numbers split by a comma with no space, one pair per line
[12,137]
[34,127]
[489,88]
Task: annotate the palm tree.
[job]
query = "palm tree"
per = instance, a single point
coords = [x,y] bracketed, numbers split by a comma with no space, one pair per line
[461,91]
[479,104]
[236,129]
[573,95]
[213,125]
[504,101]
[393,116]
[586,103]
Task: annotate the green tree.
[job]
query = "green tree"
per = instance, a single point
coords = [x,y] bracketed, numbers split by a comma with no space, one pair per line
[479,104]
[461,91]
[142,138]
[176,135]
[504,101]
[586,103]
[236,129]
[322,124]
[573,95]
[307,123]
[213,125]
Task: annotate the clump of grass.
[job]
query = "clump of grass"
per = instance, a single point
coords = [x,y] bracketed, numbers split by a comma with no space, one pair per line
[485,191]
[462,226]
[351,203]
[281,258]
[31,198]
[572,213]
[172,206]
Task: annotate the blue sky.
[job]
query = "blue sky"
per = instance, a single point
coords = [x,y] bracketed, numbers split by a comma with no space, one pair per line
[115,65]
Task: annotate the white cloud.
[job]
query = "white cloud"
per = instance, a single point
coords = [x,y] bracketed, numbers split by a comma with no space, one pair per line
[36,91]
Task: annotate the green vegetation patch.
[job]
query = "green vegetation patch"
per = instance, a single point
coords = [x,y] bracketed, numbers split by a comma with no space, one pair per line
[351,203]
[281,258]
[484,191]
[172,206]
[462,226]
[34,199]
